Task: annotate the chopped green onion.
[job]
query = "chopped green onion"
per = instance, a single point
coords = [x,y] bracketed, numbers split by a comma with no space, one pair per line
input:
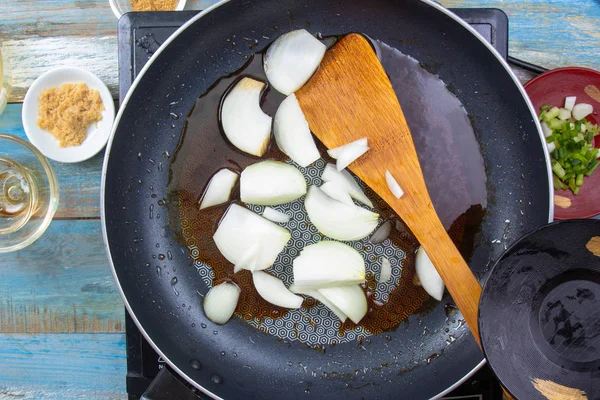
[551,113]
[571,145]
[592,168]
[558,185]
[555,123]
[558,170]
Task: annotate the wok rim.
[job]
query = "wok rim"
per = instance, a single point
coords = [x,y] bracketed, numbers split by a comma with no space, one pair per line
[140,76]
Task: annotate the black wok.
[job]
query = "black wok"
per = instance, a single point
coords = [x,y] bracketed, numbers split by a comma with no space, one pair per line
[425,356]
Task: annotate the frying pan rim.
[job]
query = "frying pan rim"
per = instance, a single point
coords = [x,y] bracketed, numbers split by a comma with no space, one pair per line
[431,3]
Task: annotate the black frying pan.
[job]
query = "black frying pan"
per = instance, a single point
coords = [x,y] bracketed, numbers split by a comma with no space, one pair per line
[154,268]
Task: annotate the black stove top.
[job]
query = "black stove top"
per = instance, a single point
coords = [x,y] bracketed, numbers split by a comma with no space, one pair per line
[139,36]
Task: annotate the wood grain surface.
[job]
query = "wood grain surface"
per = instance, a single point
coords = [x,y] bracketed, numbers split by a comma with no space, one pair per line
[349,98]
[42,34]
[550,33]
[53,366]
[61,283]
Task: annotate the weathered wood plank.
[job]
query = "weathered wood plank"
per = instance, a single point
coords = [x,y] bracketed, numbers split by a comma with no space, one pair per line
[79,183]
[43,34]
[47,366]
[60,284]
[542,32]
[550,33]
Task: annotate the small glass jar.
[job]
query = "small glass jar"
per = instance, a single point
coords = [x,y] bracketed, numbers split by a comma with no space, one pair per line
[28,193]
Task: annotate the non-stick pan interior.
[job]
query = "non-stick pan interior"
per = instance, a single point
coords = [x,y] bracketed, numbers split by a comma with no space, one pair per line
[155,270]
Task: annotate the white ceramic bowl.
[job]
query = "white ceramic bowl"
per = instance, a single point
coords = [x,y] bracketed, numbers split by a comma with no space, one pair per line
[120,7]
[97,134]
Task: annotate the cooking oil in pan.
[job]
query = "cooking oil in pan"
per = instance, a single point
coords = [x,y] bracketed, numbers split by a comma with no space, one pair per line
[443,137]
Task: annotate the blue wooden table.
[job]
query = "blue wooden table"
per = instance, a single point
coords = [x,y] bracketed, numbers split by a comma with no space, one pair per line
[61,318]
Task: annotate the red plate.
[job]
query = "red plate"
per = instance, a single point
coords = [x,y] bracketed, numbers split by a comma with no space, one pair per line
[551,88]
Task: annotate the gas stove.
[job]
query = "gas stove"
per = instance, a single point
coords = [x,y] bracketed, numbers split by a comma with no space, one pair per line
[139,36]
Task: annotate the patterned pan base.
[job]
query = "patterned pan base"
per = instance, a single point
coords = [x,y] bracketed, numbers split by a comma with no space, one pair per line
[452,166]
[314,324]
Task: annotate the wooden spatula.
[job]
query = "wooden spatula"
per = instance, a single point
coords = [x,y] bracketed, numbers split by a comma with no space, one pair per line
[351,97]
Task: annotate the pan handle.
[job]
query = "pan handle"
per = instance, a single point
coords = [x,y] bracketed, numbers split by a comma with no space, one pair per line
[167,386]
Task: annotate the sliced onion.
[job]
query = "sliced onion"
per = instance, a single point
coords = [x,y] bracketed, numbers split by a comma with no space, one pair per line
[337,192]
[220,302]
[546,129]
[428,276]
[319,297]
[582,110]
[219,188]
[248,259]
[327,264]
[338,220]
[381,233]
[292,134]
[241,229]
[270,183]
[292,59]
[344,179]
[337,151]
[393,185]
[564,114]
[350,299]
[274,291]
[276,215]
[348,153]
[570,102]
[551,147]
[386,270]
[245,124]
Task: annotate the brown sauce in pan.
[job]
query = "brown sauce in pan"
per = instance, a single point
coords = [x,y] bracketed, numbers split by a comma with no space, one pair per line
[203,150]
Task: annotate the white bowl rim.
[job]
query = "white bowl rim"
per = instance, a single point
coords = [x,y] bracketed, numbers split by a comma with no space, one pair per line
[116,9]
[108,117]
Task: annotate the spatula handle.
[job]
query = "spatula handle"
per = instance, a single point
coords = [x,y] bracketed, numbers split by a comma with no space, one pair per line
[456,274]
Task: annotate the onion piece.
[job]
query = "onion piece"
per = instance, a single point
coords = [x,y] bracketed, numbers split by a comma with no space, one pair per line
[349,156]
[270,183]
[428,276]
[570,102]
[381,233]
[326,264]
[248,259]
[546,129]
[292,59]
[345,179]
[319,297]
[393,185]
[276,215]
[292,134]
[241,229]
[219,188]
[582,110]
[335,152]
[348,153]
[337,192]
[220,302]
[551,147]
[245,124]
[350,299]
[274,291]
[338,220]
[564,114]
[386,270]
